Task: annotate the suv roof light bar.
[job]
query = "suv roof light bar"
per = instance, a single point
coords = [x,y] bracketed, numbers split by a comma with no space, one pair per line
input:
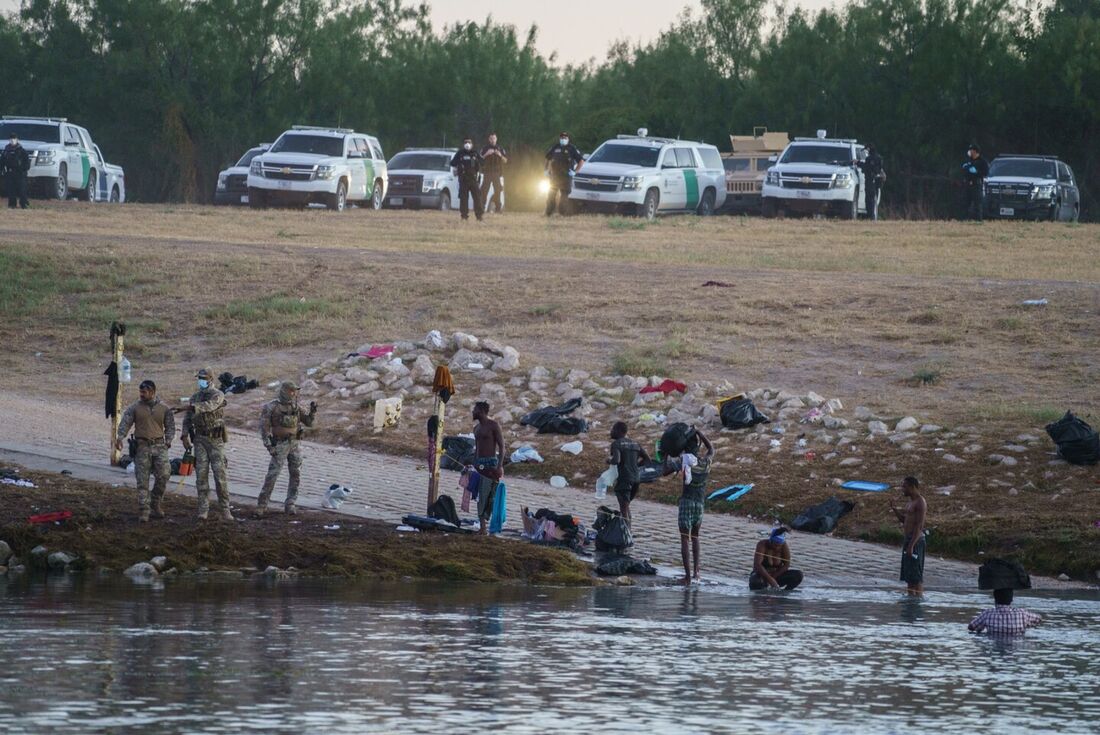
[41,119]
[647,137]
[322,128]
[436,150]
[852,141]
[1027,155]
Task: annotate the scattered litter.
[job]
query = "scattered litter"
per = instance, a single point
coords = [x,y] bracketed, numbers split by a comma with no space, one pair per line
[717,284]
[1077,442]
[1035,302]
[739,412]
[16,482]
[407,529]
[475,366]
[312,371]
[558,481]
[335,496]
[333,527]
[813,416]
[776,443]
[230,383]
[866,486]
[573,448]
[274,384]
[554,419]
[811,456]
[387,412]
[731,493]
[526,453]
[667,386]
[54,517]
[606,480]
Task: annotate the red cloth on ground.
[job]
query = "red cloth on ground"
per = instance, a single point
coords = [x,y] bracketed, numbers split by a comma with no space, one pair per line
[666,387]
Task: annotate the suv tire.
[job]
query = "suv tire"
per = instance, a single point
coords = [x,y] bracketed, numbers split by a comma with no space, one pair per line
[378,195]
[648,208]
[338,202]
[89,193]
[767,207]
[445,201]
[61,185]
[115,195]
[706,204]
[257,199]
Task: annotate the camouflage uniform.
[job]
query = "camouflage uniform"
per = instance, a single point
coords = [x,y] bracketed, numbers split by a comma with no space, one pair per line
[154,425]
[281,423]
[205,420]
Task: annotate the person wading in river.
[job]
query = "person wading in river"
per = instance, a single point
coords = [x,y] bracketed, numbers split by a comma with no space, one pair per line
[489,462]
[912,549]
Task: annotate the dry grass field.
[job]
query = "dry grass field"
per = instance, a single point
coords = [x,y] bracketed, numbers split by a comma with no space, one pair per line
[921,318]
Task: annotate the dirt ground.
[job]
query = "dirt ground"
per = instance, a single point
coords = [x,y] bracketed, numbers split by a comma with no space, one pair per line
[104,534]
[907,318]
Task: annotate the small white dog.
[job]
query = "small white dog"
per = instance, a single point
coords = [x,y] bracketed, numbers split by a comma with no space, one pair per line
[335,496]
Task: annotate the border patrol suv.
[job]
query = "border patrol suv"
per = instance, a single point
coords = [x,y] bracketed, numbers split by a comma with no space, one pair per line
[64,159]
[1031,187]
[644,175]
[330,166]
[816,176]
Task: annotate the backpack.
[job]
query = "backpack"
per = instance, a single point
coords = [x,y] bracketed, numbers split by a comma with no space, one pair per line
[1078,443]
[444,509]
[999,574]
[612,532]
[678,438]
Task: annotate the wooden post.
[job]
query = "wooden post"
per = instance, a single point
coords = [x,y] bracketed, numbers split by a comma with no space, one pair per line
[433,482]
[118,345]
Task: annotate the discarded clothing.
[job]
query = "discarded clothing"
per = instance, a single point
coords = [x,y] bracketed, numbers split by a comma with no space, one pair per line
[619,565]
[16,481]
[999,574]
[230,383]
[823,517]
[1077,442]
[54,517]
[500,509]
[374,352]
[526,454]
[444,509]
[554,420]
[110,401]
[741,413]
[667,386]
[335,496]
[424,523]
[458,451]
[717,284]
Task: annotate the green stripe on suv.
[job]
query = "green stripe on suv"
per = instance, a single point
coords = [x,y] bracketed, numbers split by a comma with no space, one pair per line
[692,183]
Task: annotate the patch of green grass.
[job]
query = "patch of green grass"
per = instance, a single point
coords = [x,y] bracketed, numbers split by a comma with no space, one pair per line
[30,281]
[652,360]
[624,224]
[272,308]
[1031,414]
[544,311]
[1008,324]
[926,318]
[925,376]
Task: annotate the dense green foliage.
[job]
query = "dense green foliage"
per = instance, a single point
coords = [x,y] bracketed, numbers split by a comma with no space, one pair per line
[174,89]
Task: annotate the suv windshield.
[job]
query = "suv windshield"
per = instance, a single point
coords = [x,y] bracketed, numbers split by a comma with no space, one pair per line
[1031,168]
[318,145]
[246,159]
[43,132]
[633,155]
[830,155]
[421,162]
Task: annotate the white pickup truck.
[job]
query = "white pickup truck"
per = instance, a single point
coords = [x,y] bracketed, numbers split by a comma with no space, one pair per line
[64,160]
[330,166]
[816,176]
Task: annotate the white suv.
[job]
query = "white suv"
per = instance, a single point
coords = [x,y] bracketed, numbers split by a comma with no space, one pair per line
[640,174]
[311,165]
[816,176]
[64,159]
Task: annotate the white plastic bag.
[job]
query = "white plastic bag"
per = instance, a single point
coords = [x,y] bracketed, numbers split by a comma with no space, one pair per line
[606,480]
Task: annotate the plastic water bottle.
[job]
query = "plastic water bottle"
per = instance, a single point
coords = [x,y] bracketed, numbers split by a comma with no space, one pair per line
[124,371]
[606,480]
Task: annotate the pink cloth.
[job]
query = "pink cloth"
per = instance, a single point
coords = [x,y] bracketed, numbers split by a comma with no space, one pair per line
[377,351]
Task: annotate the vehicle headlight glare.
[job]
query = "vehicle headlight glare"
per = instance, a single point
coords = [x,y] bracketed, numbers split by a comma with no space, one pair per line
[1044,191]
[632,183]
[773,178]
[842,181]
[44,157]
[256,169]
[325,172]
[432,185]
[221,182]
[544,186]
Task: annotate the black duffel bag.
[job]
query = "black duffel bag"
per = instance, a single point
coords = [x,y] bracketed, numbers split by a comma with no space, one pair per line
[1078,443]
[741,413]
[1000,574]
[679,438]
[823,517]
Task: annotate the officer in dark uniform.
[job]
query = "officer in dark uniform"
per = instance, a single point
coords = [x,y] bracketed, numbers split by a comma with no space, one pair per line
[975,169]
[467,165]
[15,162]
[874,175]
[494,158]
[562,161]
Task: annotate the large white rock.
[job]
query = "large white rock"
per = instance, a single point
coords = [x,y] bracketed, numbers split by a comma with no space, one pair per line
[813,399]
[491,345]
[877,427]
[359,375]
[906,424]
[434,341]
[365,388]
[143,570]
[508,361]
[862,413]
[160,562]
[575,376]
[423,371]
[463,341]
[470,361]
[539,374]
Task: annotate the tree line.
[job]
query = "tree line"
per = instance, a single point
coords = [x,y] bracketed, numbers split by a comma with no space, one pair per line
[175,89]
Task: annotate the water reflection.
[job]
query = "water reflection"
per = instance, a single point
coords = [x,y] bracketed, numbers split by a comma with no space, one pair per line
[219,657]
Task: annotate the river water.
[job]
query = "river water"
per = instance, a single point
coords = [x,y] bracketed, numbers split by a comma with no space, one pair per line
[87,656]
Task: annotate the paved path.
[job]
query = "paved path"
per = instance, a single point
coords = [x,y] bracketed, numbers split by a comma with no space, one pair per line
[47,435]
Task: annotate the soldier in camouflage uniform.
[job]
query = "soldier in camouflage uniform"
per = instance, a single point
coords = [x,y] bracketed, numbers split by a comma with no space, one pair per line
[154,425]
[281,425]
[205,419]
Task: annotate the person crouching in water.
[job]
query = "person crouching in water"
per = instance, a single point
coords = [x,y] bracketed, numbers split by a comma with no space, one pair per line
[626,454]
[695,469]
[771,566]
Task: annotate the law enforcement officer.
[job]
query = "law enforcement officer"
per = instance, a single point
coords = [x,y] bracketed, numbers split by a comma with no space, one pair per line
[154,425]
[874,175]
[281,423]
[205,420]
[975,169]
[494,158]
[562,161]
[467,165]
[14,163]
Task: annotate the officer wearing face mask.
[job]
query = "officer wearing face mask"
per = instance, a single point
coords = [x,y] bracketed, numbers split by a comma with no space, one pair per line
[467,165]
[562,161]
[14,164]
[205,422]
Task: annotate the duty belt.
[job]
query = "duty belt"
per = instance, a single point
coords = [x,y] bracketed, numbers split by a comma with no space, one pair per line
[154,442]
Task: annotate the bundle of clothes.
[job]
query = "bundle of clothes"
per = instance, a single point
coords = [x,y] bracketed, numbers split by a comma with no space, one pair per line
[557,529]
[230,383]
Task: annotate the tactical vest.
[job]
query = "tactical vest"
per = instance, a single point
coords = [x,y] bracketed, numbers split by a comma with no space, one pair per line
[149,421]
[208,423]
[284,420]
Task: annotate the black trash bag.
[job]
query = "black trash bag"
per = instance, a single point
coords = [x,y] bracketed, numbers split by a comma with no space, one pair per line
[444,509]
[612,532]
[999,574]
[823,517]
[542,416]
[617,566]
[679,438]
[741,414]
[458,451]
[1078,443]
[564,425]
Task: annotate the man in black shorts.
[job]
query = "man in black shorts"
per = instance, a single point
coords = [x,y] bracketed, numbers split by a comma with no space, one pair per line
[625,454]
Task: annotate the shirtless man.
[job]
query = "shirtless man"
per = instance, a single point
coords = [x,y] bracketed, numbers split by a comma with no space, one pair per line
[771,565]
[489,448]
[912,549]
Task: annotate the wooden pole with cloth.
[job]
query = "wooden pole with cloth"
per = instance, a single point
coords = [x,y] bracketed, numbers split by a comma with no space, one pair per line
[113,402]
[443,386]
